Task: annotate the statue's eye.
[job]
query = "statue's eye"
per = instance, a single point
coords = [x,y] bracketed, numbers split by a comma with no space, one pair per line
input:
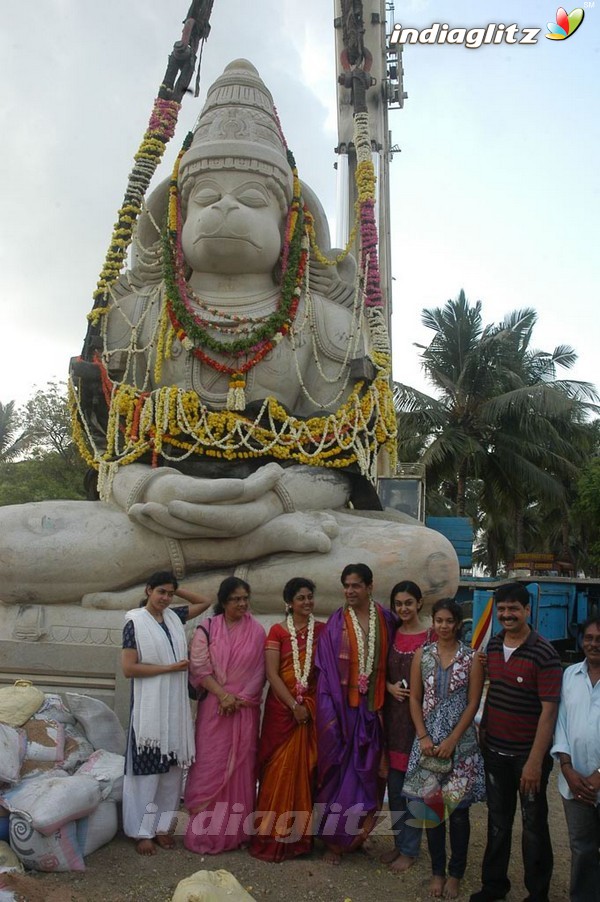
[207,196]
[252,197]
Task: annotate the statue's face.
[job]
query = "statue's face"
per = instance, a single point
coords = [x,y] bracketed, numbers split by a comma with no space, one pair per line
[233,224]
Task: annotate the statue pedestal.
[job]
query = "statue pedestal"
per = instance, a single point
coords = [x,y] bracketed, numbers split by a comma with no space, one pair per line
[65,648]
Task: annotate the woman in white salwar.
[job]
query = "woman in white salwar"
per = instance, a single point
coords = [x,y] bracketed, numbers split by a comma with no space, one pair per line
[161,737]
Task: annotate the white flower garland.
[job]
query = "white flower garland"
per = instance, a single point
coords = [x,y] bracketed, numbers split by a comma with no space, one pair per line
[365,667]
[301,675]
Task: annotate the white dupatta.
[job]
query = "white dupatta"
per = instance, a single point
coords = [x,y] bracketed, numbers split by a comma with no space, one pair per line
[161,714]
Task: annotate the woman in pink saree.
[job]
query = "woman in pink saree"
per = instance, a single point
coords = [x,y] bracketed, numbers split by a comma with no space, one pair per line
[227,661]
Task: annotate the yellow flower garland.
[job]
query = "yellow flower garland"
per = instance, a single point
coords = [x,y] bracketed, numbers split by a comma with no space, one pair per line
[174,422]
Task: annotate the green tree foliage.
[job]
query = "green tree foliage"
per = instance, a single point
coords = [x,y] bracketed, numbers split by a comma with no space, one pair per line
[13,439]
[42,462]
[49,422]
[588,508]
[502,433]
[40,479]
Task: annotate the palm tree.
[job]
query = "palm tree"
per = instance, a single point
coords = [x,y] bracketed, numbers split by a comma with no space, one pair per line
[13,439]
[500,422]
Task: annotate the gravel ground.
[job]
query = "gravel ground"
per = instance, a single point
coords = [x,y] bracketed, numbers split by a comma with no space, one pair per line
[116,874]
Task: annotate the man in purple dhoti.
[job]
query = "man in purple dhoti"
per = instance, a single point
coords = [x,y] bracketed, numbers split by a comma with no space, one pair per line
[351,664]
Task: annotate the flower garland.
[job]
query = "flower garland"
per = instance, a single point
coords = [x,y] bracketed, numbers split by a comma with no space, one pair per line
[365,665]
[319,255]
[365,185]
[173,423]
[161,128]
[302,675]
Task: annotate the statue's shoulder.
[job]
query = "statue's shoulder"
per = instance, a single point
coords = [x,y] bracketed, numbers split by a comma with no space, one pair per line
[131,304]
[335,326]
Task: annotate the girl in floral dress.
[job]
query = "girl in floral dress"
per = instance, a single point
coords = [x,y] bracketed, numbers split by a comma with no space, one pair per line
[445,769]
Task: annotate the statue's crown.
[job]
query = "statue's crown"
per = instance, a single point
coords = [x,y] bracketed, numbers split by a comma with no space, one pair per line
[238,129]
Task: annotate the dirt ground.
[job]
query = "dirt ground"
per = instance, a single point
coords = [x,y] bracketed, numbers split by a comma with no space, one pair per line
[116,874]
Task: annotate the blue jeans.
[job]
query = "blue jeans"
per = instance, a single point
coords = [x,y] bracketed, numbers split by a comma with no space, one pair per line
[407,839]
[460,832]
[502,778]
[583,822]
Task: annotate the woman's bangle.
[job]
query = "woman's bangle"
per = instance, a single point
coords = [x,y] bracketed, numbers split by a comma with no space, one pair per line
[566,764]
[424,736]
[294,706]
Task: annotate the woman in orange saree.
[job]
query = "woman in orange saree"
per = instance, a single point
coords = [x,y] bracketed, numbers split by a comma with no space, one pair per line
[287,754]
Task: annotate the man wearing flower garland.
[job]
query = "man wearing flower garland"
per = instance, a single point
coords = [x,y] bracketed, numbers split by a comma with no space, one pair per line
[351,664]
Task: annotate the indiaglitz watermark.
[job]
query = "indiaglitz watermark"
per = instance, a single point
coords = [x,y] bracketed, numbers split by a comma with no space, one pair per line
[471,38]
[493,33]
[290,826]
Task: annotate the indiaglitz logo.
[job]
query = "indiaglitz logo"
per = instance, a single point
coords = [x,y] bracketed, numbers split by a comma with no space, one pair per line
[492,33]
[471,38]
[566,24]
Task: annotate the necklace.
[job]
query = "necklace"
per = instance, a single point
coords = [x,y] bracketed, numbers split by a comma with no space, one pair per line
[301,687]
[259,338]
[365,663]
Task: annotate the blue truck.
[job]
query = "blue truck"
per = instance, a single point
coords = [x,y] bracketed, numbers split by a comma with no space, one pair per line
[560,601]
[559,604]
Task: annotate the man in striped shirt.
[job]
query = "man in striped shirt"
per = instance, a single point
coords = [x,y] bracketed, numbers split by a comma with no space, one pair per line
[516,733]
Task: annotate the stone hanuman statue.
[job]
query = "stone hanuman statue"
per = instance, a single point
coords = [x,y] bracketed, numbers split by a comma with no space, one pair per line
[244,396]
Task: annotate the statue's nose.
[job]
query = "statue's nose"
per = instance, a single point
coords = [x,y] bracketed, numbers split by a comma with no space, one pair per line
[227,202]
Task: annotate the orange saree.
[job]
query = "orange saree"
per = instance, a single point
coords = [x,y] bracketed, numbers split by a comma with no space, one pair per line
[287,761]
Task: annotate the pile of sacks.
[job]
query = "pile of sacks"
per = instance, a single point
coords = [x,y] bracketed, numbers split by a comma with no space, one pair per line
[61,776]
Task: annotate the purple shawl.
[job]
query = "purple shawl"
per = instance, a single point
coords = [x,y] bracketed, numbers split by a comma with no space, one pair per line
[349,742]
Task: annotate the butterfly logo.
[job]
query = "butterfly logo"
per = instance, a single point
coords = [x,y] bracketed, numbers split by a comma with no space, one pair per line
[424,815]
[566,24]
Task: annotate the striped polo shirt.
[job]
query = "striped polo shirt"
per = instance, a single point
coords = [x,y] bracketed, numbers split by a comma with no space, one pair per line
[518,687]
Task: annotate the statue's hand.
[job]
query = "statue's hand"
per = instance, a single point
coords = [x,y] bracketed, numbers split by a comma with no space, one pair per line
[335,282]
[190,507]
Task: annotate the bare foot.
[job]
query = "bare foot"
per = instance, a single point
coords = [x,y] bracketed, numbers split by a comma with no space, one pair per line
[145,847]
[451,888]
[402,864]
[389,856]
[332,857]
[164,841]
[436,887]
[366,847]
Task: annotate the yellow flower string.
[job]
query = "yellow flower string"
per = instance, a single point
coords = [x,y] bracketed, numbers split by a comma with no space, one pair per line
[318,253]
[160,129]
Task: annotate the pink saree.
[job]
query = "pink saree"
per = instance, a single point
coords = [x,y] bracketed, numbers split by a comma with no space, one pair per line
[221,786]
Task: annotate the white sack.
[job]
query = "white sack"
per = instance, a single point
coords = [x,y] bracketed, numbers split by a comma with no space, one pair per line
[101,726]
[58,852]
[50,801]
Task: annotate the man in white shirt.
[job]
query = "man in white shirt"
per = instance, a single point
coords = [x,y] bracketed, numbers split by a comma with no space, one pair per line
[577,748]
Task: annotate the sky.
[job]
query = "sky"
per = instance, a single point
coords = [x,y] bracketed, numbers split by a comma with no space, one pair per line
[496,188]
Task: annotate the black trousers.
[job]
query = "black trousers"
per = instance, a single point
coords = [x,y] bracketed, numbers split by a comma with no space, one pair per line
[460,831]
[503,774]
